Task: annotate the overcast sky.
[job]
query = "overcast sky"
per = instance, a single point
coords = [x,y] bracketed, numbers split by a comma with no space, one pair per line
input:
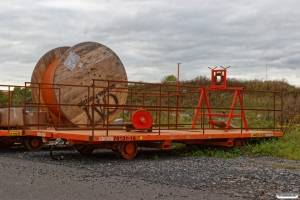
[258,39]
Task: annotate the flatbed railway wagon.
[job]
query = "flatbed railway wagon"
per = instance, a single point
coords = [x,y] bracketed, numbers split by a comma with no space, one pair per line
[80,96]
[154,115]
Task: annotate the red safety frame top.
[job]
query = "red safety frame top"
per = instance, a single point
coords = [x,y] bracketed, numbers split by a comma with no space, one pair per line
[218,78]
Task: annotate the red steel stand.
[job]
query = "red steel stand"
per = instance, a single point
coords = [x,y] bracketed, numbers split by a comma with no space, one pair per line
[218,82]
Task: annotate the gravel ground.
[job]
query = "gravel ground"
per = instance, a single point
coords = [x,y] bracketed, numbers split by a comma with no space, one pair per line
[182,177]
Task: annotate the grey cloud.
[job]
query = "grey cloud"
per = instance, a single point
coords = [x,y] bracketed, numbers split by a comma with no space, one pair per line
[151,37]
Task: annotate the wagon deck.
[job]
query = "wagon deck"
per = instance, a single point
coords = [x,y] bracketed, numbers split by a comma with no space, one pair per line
[140,135]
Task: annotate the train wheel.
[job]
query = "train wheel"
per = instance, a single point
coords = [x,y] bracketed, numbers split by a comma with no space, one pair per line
[33,143]
[85,150]
[127,150]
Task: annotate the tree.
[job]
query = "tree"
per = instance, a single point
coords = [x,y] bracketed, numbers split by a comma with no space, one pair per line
[3,98]
[171,79]
[17,96]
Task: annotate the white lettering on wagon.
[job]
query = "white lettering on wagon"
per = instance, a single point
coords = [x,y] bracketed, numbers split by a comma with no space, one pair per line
[103,138]
[269,135]
[41,134]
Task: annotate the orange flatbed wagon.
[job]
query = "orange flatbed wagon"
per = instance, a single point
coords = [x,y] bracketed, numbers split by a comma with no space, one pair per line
[126,143]
[148,115]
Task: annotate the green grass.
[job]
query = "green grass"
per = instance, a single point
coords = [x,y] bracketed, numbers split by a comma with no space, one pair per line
[216,152]
[156,157]
[286,166]
[285,147]
[175,145]
[194,150]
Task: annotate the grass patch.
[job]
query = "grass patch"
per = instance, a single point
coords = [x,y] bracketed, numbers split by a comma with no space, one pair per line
[156,157]
[286,166]
[262,147]
[216,152]
[287,147]
[183,150]
[175,145]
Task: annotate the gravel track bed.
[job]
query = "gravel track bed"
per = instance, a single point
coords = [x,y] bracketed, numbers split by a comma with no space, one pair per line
[241,177]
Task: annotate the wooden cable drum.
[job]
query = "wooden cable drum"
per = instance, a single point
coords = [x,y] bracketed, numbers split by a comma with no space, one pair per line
[69,84]
[48,59]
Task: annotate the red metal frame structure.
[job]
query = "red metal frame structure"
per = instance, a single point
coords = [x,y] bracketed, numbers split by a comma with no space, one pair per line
[163,102]
[218,82]
[218,78]
[9,133]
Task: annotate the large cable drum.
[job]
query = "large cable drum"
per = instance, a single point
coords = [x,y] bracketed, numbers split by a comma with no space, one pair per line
[46,62]
[68,82]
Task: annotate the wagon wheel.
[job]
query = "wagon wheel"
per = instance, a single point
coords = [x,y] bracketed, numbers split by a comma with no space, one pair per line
[33,143]
[85,150]
[127,150]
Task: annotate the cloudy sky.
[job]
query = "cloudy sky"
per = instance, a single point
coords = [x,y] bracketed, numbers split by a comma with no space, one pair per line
[258,39]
